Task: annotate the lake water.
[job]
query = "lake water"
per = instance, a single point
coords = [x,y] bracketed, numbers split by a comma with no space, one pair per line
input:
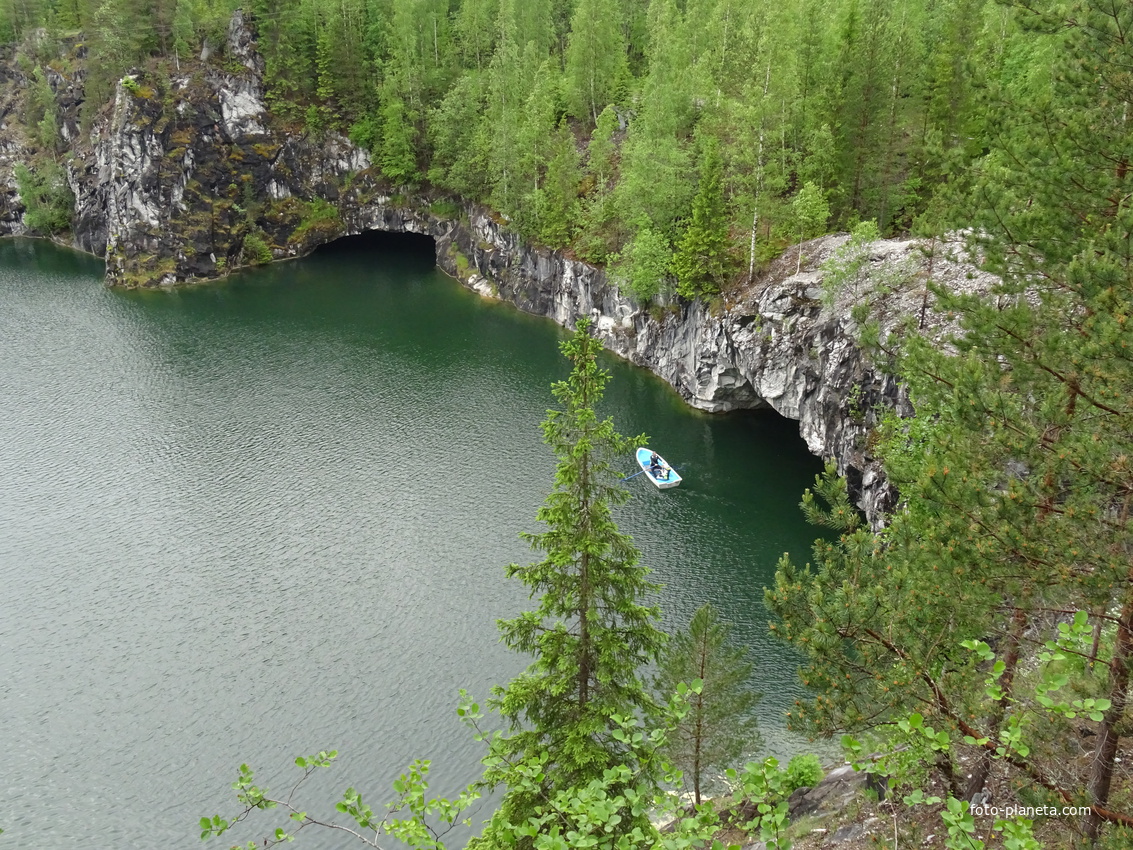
[249,520]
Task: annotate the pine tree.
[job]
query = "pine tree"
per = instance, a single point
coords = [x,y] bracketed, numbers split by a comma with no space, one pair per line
[719,729]
[1015,474]
[591,634]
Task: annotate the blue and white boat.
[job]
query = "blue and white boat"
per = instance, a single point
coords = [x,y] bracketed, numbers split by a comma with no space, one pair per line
[661,474]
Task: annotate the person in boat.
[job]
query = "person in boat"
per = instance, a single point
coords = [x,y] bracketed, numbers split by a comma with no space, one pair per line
[655,465]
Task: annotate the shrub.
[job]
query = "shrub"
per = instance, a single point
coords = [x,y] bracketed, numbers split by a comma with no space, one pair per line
[47,198]
[445,209]
[847,263]
[256,251]
[803,771]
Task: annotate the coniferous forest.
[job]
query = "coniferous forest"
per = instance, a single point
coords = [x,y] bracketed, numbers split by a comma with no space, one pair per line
[680,142]
[983,639]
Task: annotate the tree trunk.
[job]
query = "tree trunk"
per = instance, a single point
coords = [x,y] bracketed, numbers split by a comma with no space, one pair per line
[758,181]
[1010,664]
[924,298]
[1108,735]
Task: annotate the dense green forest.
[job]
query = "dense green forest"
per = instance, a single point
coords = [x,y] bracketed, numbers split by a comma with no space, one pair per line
[680,141]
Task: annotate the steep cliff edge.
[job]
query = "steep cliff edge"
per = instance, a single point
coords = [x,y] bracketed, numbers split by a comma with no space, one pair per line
[187,176]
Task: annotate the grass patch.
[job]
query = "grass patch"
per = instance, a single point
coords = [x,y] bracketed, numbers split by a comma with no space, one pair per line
[461,261]
[445,209]
[320,218]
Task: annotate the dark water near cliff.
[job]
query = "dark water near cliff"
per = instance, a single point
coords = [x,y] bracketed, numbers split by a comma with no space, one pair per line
[246,521]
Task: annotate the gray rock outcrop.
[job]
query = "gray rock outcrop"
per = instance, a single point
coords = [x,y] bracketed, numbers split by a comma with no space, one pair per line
[188,177]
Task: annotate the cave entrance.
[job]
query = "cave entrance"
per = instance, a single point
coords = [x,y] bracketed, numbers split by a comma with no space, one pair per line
[414,247]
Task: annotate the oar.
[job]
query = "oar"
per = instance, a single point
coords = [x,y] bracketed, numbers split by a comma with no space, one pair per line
[628,477]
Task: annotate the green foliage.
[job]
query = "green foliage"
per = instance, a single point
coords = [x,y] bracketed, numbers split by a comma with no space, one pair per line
[590,635]
[46,196]
[719,729]
[902,749]
[876,102]
[618,809]
[643,267]
[809,214]
[446,209]
[557,205]
[184,29]
[314,123]
[653,190]
[595,58]
[846,264]
[255,250]
[366,133]
[459,137]
[803,771]
[592,814]
[398,160]
[41,112]
[702,263]
[320,218]
[766,786]
[412,817]
[600,152]
[1011,482]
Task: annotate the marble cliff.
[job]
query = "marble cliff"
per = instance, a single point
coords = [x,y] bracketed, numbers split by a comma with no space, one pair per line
[185,177]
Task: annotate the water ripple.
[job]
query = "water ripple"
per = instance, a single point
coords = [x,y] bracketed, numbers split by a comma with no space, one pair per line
[248,521]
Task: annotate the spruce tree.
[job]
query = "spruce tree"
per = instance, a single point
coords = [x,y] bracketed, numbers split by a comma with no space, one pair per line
[591,634]
[558,207]
[719,729]
[702,262]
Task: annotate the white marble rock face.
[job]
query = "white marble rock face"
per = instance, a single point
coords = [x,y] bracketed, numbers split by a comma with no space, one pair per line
[775,343]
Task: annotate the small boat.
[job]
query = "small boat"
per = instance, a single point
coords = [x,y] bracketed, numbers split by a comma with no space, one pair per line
[665,478]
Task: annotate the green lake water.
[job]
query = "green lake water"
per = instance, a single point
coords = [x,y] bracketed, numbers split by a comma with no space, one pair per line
[250,520]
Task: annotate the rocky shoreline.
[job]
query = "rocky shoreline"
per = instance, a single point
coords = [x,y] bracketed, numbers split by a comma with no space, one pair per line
[187,177]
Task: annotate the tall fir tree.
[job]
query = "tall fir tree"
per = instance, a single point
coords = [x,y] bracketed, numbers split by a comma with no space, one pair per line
[558,205]
[592,634]
[702,262]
